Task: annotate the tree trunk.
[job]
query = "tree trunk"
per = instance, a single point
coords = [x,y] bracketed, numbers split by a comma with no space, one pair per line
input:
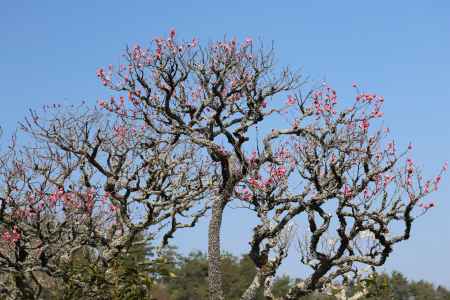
[252,290]
[214,269]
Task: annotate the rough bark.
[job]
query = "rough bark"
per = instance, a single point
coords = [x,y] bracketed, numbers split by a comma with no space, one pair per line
[252,290]
[214,271]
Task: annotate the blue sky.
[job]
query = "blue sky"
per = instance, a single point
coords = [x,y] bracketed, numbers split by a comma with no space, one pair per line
[49,51]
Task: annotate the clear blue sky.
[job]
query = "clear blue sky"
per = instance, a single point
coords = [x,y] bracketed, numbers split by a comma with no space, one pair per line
[49,51]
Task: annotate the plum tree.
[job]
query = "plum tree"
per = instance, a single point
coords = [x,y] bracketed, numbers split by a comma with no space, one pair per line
[192,129]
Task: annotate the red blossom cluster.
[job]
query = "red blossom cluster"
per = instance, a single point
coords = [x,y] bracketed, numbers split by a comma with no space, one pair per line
[11,236]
